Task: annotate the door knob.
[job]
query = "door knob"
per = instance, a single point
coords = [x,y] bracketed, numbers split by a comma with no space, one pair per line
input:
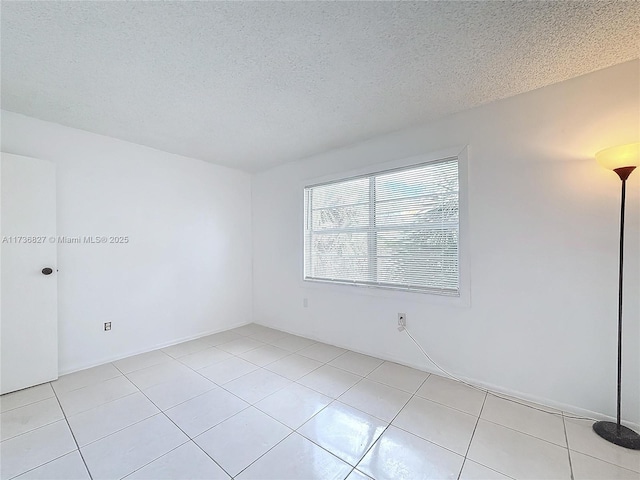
[47,271]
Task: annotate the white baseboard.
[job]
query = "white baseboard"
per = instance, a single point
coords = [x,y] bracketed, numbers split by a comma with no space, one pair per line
[114,358]
[543,402]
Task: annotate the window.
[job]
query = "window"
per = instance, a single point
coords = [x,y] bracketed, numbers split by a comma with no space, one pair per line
[397,229]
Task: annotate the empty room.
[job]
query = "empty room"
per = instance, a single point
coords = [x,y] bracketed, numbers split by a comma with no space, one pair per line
[296,240]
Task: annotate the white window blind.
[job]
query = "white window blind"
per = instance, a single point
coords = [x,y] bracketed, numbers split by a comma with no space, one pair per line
[396,229]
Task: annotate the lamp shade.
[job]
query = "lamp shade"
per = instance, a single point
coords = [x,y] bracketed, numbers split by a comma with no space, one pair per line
[620,156]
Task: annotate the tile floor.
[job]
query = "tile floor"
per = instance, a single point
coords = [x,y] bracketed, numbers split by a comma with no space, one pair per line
[257,403]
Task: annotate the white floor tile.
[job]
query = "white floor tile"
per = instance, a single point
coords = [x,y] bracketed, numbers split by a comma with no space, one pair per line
[268,335]
[356,363]
[35,448]
[241,345]
[530,404]
[589,468]
[444,426]
[583,439]
[205,358]
[525,419]
[293,405]
[257,385]
[68,467]
[296,458]
[186,462]
[294,366]
[161,373]
[292,343]
[322,352]
[357,475]
[84,378]
[241,439]
[143,360]
[86,398]
[376,399]
[227,370]
[121,432]
[248,329]
[186,348]
[399,376]
[169,394]
[475,471]
[452,394]
[133,447]
[201,413]
[259,328]
[330,381]
[106,419]
[344,431]
[264,355]
[221,337]
[399,454]
[20,420]
[518,455]
[18,399]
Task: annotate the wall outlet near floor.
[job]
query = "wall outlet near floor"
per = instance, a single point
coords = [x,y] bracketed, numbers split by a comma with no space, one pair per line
[305,302]
[402,320]
[107,326]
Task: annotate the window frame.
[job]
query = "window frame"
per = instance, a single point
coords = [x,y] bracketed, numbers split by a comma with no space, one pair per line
[392,291]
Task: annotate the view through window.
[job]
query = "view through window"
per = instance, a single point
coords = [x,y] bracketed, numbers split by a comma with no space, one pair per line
[396,229]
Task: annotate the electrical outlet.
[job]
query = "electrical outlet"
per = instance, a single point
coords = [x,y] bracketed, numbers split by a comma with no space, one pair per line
[305,302]
[107,326]
[402,320]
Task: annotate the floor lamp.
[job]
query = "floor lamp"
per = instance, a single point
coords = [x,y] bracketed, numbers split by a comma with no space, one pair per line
[623,160]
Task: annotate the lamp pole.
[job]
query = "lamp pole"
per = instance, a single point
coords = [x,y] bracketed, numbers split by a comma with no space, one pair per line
[616,432]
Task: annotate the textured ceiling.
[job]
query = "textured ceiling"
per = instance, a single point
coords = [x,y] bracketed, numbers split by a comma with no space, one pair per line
[254,84]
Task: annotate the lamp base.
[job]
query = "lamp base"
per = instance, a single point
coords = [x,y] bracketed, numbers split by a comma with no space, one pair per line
[624,436]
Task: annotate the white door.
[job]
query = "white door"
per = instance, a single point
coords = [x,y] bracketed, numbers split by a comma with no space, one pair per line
[28,290]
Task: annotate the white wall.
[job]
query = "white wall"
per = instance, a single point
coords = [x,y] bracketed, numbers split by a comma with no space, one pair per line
[187,268]
[543,249]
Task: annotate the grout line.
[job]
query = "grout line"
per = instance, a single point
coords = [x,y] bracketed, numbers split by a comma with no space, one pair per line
[389,424]
[333,400]
[490,468]
[33,429]
[137,370]
[185,434]
[292,382]
[295,431]
[415,394]
[92,384]
[524,433]
[566,439]
[17,475]
[310,371]
[249,405]
[149,463]
[636,472]
[274,446]
[72,434]
[26,404]
[331,453]
[484,400]
[381,434]
[105,403]
[120,429]
[257,408]
[445,405]
[160,411]
[350,472]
